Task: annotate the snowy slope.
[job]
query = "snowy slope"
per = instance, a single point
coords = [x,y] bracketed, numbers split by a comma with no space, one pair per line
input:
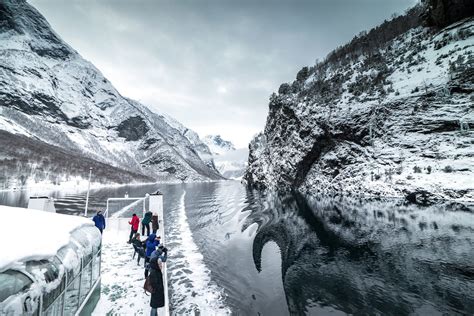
[51,94]
[230,162]
[392,120]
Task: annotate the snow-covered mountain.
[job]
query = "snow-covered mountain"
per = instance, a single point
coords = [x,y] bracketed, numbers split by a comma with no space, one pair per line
[217,145]
[230,162]
[59,115]
[390,113]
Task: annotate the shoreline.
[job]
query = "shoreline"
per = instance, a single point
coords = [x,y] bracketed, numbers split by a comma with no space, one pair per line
[82,186]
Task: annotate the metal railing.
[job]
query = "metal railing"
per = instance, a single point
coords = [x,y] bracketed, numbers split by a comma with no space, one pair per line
[78,304]
[106,213]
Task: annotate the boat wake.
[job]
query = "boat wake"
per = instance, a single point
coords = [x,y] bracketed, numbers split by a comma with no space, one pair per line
[191,287]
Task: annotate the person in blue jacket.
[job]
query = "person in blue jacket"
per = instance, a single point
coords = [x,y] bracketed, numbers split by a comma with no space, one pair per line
[151,243]
[99,221]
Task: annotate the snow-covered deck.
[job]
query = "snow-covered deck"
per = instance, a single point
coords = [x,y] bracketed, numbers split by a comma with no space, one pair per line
[122,279]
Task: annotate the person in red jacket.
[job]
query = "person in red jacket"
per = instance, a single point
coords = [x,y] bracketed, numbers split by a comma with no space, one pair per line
[134,222]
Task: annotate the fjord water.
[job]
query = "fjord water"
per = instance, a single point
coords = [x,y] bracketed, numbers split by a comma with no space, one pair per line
[233,250]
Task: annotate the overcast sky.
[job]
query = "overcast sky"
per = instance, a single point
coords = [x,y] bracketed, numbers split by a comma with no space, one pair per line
[211,64]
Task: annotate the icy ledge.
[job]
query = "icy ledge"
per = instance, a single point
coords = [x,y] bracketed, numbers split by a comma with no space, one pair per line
[44,233]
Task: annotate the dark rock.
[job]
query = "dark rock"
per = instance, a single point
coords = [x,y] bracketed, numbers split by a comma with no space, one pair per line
[79,122]
[422,197]
[322,144]
[303,74]
[284,88]
[440,13]
[14,101]
[133,128]
[462,81]
[171,170]
[148,143]
[7,20]
[53,52]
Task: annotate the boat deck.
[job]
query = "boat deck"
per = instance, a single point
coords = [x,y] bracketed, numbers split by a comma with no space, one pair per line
[122,279]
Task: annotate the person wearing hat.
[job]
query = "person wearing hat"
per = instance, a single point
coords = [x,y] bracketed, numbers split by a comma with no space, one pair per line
[160,253]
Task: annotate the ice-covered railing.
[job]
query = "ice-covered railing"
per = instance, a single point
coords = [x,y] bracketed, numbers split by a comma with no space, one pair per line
[60,268]
[136,201]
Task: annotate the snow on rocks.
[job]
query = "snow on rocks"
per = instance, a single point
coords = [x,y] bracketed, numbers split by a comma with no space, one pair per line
[394,121]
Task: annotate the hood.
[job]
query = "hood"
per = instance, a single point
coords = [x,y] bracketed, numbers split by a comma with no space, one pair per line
[151,237]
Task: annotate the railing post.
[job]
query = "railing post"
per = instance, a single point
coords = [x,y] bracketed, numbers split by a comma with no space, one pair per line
[80,284]
[107,209]
[92,270]
[88,189]
[64,293]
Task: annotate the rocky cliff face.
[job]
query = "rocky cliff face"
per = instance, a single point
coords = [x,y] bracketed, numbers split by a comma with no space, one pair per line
[441,13]
[50,94]
[389,118]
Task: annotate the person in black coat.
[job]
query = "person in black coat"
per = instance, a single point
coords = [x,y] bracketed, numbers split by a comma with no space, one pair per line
[139,247]
[157,299]
[136,241]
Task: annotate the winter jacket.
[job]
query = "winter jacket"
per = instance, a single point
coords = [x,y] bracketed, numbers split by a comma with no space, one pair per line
[134,222]
[151,244]
[159,254]
[147,218]
[157,299]
[137,242]
[99,221]
[154,222]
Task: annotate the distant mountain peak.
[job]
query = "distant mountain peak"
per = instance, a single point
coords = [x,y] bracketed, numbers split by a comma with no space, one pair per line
[230,162]
[218,145]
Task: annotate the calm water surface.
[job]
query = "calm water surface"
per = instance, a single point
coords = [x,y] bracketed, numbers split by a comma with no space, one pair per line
[238,251]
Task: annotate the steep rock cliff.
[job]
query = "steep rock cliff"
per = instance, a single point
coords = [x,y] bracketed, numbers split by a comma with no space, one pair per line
[390,118]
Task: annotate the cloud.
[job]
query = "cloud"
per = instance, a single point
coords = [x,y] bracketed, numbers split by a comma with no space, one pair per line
[211,64]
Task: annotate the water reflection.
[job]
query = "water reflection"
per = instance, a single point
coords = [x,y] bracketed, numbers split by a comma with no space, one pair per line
[368,257]
[278,255]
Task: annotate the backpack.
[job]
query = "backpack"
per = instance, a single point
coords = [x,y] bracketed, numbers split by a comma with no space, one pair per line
[147,286]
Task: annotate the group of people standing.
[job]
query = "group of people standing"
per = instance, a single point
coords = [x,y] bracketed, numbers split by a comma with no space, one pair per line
[151,249]
[155,255]
[148,218]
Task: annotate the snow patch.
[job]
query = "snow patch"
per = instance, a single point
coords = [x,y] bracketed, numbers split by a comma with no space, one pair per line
[44,233]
